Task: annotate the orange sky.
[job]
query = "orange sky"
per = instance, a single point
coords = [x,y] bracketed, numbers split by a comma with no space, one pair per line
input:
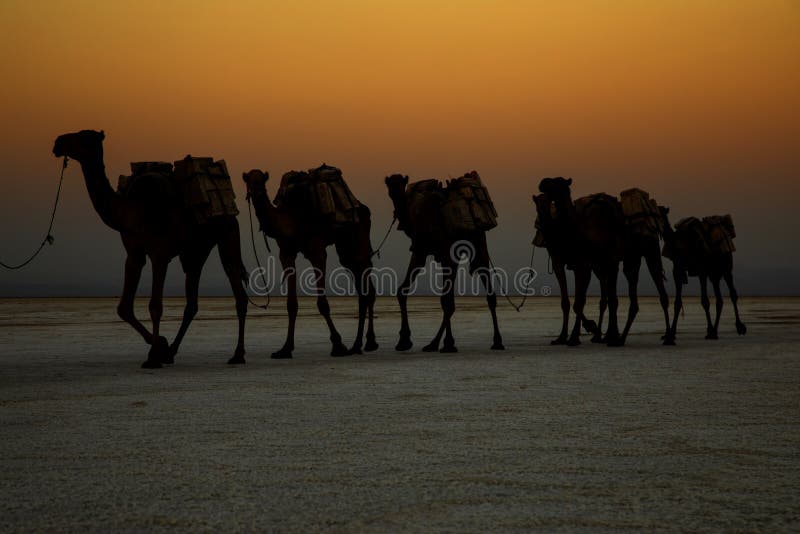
[672,96]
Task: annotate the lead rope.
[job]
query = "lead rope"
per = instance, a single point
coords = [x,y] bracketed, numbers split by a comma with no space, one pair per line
[49,239]
[377,252]
[527,286]
[255,253]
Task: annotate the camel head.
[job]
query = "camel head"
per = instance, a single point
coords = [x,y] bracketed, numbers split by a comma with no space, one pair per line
[545,211]
[396,184]
[81,146]
[255,180]
[557,189]
[664,212]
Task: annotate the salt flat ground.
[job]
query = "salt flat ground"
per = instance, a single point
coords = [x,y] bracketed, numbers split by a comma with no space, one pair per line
[705,435]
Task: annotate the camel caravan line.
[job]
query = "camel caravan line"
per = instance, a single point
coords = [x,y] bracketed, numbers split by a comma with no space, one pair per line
[186,208]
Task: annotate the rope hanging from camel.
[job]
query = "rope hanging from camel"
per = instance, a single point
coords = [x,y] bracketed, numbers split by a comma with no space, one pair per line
[377,252]
[527,286]
[49,239]
[255,254]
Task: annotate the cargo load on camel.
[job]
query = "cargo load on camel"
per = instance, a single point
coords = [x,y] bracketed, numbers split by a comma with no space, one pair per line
[467,205]
[140,169]
[319,193]
[583,203]
[720,233]
[206,187]
[641,213]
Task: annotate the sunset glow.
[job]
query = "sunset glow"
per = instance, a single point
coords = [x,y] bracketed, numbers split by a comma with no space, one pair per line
[680,98]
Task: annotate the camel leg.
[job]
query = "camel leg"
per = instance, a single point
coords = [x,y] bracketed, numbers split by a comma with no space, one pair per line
[414,268]
[372,344]
[192,267]
[290,274]
[631,268]
[656,269]
[598,335]
[719,302]
[613,338]
[159,349]
[582,278]
[741,329]
[448,302]
[359,275]
[134,264]
[449,343]
[706,303]
[561,277]
[366,312]
[491,299]
[318,263]
[678,306]
[230,254]
[189,311]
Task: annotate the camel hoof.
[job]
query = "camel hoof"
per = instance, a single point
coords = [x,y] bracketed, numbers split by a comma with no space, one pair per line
[430,347]
[151,364]
[448,349]
[615,342]
[354,351]
[339,350]
[169,356]
[283,354]
[598,339]
[573,342]
[712,335]
[371,346]
[590,326]
[560,340]
[403,344]
[237,359]
[669,341]
[741,329]
[498,346]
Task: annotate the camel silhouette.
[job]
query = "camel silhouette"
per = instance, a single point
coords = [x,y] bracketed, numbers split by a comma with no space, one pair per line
[424,223]
[638,246]
[154,222]
[302,233]
[688,246]
[585,236]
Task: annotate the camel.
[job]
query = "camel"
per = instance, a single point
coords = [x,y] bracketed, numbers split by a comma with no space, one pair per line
[154,223]
[297,233]
[688,248]
[429,236]
[638,246]
[585,240]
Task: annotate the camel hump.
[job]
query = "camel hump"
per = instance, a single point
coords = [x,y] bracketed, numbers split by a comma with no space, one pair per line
[158,171]
[597,200]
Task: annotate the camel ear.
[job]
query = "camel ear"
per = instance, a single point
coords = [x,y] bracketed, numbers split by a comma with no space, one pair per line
[266,176]
[102,134]
[569,181]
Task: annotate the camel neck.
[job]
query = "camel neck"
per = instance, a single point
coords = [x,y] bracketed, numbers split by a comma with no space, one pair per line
[107,203]
[269,216]
[400,203]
